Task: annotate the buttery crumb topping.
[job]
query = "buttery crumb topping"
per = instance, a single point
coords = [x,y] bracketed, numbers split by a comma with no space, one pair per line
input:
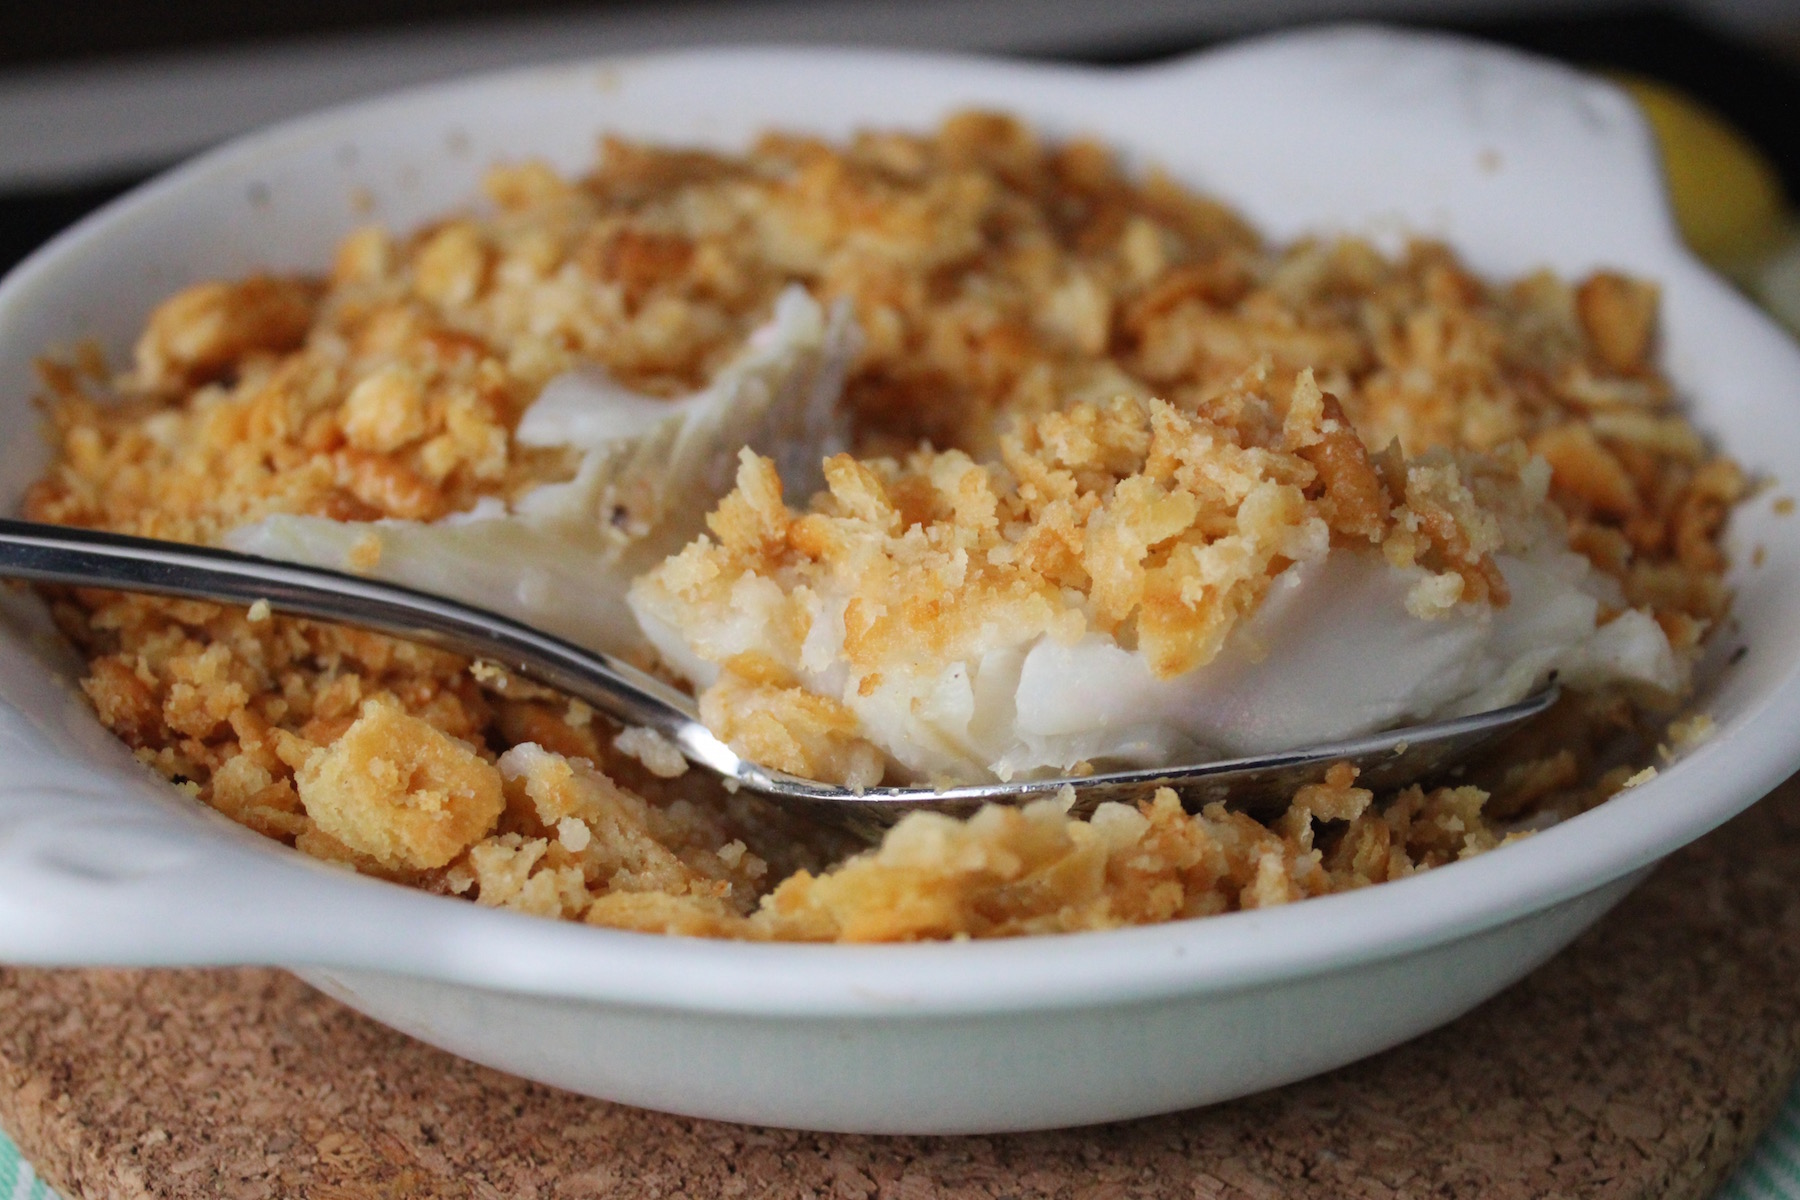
[1082,404]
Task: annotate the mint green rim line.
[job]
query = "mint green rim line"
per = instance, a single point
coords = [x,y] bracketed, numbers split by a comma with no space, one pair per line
[17,1180]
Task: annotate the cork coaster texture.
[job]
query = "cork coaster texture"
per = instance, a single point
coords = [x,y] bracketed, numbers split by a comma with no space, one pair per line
[1643,1062]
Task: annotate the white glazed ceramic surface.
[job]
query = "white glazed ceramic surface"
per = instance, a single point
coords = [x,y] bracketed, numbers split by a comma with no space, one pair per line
[1518,163]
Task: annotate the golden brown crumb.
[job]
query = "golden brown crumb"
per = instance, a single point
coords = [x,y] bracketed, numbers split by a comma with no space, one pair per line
[1586,469]
[365,554]
[1684,733]
[396,789]
[773,721]
[1619,317]
[198,334]
[592,839]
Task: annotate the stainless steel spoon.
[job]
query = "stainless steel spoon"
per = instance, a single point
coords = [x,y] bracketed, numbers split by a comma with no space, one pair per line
[63,554]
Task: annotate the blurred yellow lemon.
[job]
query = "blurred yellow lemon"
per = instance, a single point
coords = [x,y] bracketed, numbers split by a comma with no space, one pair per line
[1727,196]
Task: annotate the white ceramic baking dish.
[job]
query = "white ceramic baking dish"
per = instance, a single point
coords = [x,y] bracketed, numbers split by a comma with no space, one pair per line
[1517,162]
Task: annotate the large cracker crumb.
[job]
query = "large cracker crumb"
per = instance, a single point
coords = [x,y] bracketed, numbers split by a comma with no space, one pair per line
[400,791]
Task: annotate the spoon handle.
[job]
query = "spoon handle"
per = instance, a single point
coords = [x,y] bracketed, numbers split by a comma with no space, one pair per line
[89,558]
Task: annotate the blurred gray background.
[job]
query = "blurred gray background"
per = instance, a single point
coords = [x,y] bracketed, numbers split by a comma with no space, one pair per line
[97,94]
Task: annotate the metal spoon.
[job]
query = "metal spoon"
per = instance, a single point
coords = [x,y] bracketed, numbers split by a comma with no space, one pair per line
[83,557]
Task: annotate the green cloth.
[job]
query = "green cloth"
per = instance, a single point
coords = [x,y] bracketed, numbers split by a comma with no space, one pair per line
[1772,1172]
[17,1182]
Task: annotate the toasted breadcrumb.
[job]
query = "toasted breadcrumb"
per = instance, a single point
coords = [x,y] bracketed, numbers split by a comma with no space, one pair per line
[1097,364]
[1687,732]
[365,554]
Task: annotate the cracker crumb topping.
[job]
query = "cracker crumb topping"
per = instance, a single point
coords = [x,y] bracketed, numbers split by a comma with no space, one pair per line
[1085,401]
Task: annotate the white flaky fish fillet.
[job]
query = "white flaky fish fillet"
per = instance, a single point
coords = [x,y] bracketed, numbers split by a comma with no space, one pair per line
[1331,652]
[562,556]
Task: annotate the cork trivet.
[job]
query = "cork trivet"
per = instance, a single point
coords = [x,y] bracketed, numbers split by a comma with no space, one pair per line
[1641,1063]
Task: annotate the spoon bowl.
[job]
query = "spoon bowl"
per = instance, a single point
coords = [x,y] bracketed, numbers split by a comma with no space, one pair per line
[90,558]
